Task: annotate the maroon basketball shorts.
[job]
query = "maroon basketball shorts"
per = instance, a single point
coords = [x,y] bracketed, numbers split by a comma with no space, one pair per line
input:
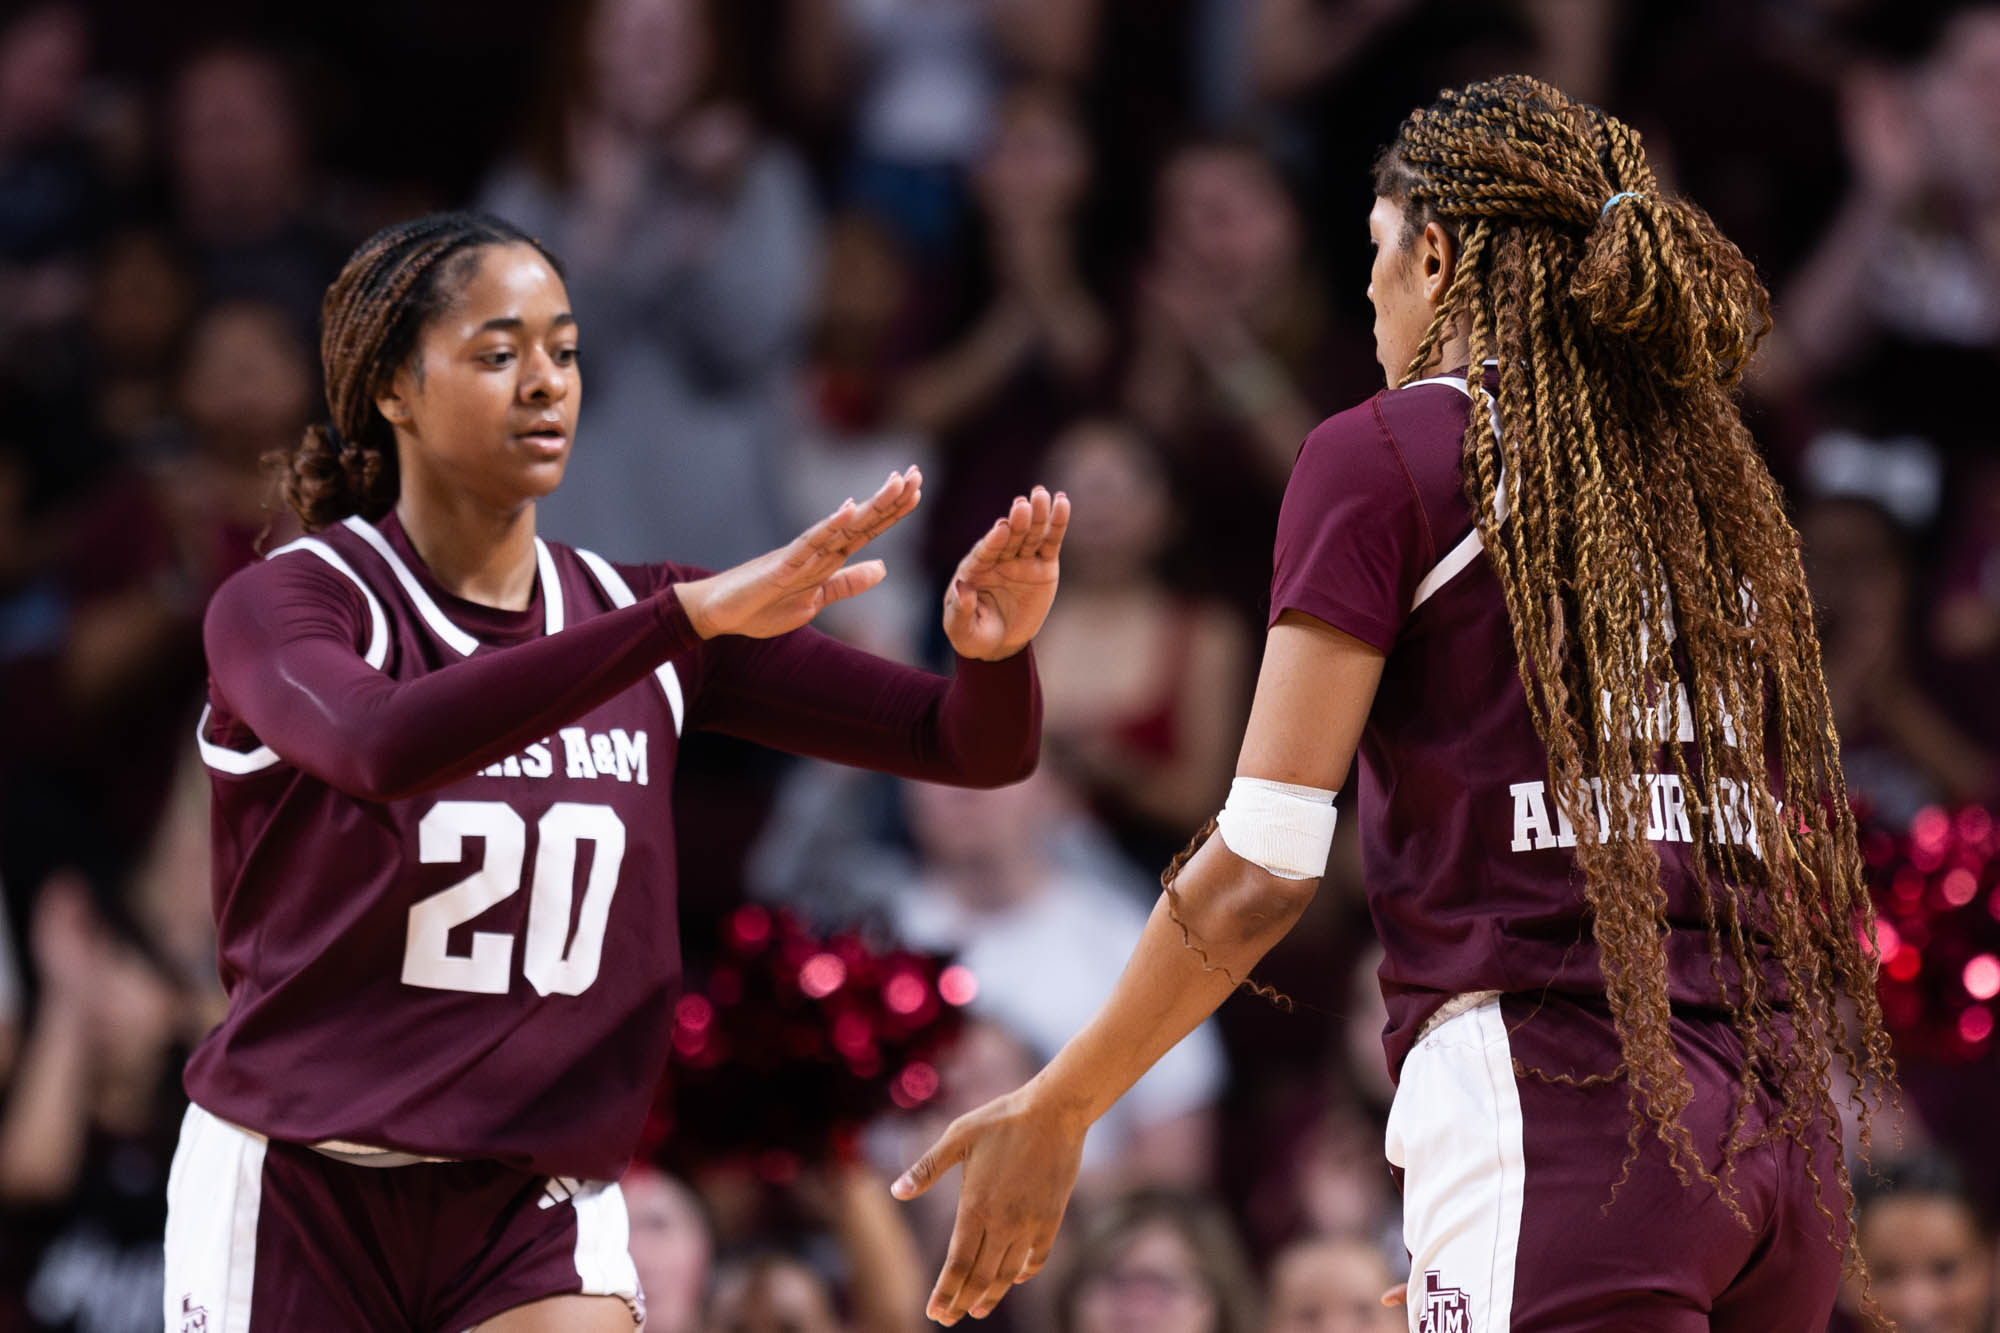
[1508,1206]
[263,1235]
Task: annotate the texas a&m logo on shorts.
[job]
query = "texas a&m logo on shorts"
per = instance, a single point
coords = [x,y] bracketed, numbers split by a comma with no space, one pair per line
[194,1318]
[1446,1309]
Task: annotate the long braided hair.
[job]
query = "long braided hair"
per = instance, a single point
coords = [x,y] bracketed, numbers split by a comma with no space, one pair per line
[395,283]
[1655,590]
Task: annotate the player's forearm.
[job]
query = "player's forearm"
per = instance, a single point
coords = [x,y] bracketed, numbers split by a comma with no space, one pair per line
[812,695]
[1233,913]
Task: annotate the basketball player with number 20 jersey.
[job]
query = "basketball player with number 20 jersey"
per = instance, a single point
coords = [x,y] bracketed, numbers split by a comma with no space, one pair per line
[442,752]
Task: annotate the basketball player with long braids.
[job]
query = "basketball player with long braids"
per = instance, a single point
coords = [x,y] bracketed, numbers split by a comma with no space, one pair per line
[1546,585]
[442,752]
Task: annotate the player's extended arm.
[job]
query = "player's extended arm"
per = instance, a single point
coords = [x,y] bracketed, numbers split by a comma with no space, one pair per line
[1021,1151]
[810,694]
[281,652]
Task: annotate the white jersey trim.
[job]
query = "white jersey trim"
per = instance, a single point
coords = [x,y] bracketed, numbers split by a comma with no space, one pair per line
[225,760]
[552,596]
[443,625]
[239,762]
[378,624]
[1462,555]
[621,596]
[461,643]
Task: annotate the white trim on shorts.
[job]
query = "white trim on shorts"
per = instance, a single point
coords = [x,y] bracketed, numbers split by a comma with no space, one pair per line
[604,1245]
[216,1189]
[214,1192]
[1455,1129]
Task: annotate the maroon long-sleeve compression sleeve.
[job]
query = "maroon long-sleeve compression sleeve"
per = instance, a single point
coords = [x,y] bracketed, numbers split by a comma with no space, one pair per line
[284,642]
[810,694]
[281,639]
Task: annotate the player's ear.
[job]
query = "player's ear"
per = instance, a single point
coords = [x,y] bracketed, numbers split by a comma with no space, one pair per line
[393,399]
[1439,255]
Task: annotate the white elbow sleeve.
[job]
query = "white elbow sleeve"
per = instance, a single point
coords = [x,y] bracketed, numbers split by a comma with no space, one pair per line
[1280,826]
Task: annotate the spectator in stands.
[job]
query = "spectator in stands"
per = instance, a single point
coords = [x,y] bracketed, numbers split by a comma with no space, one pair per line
[1930,1255]
[1157,1263]
[1043,935]
[90,1122]
[1327,1284]
[1145,685]
[1900,748]
[1905,280]
[245,190]
[691,240]
[869,1273]
[51,194]
[1035,345]
[672,1247]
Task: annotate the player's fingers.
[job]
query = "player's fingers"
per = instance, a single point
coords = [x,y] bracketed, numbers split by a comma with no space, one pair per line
[939,1158]
[1395,1296]
[890,504]
[1040,505]
[967,1239]
[987,551]
[992,1278]
[958,599]
[871,516]
[1020,520]
[1058,527]
[824,540]
[1036,1255]
[851,580]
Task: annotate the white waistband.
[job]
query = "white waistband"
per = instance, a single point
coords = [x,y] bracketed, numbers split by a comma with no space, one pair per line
[363,1154]
[1462,1003]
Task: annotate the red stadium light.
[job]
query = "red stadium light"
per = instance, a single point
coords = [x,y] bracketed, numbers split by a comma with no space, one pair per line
[957,985]
[822,975]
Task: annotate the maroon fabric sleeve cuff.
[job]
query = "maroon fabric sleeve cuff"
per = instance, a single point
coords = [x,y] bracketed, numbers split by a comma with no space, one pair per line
[673,618]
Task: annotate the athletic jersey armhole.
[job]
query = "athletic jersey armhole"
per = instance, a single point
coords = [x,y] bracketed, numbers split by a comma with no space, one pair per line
[1455,561]
[238,763]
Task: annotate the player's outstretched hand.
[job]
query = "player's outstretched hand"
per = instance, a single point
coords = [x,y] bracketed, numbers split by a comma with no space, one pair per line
[1004,587]
[783,589]
[1020,1166]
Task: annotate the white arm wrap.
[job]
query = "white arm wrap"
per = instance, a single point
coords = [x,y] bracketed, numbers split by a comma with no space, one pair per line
[1284,828]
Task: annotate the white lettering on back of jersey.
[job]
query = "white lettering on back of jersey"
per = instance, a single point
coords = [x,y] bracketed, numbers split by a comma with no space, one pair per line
[1666,814]
[1531,816]
[615,754]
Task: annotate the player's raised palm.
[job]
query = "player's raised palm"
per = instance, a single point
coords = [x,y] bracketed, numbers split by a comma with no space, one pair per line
[1002,590]
[783,589]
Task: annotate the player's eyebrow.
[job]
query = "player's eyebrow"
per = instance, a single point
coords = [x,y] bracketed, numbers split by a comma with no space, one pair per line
[514,323]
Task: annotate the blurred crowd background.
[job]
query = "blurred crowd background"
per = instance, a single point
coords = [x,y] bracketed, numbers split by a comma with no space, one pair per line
[1116,246]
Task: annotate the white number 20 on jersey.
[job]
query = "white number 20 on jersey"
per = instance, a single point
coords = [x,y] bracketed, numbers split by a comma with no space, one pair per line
[554,963]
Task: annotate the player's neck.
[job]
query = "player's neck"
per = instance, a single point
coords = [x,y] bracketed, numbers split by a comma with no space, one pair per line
[475,552]
[1453,352]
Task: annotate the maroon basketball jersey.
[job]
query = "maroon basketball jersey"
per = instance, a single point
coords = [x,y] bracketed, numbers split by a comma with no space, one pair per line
[443,844]
[1472,880]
